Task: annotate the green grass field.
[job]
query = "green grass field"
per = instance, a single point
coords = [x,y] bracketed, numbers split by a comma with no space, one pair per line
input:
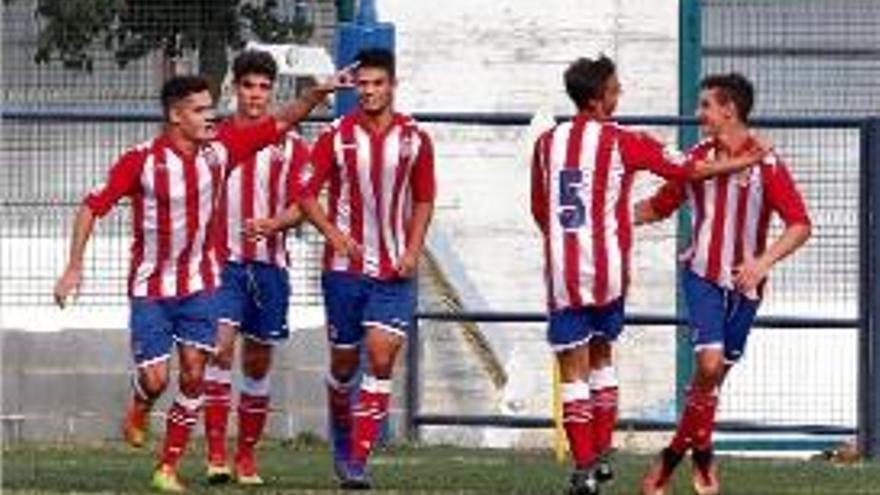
[113,468]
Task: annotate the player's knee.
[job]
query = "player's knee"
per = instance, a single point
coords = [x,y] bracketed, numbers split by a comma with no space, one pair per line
[223,357]
[151,385]
[191,380]
[382,366]
[256,368]
[710,371]
[344,365]
[600,352]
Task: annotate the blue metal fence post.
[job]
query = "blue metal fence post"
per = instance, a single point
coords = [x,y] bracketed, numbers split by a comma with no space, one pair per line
[413,403]
[869,291]
[690,44]
[351,37]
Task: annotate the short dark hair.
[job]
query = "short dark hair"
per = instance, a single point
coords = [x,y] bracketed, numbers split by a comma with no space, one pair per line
[732,87]
[254,62]
[377,58]
[585,79]
[179,87]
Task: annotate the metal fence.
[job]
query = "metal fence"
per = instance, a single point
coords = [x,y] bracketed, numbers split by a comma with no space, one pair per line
[57,81]
[810,57]
[812,370]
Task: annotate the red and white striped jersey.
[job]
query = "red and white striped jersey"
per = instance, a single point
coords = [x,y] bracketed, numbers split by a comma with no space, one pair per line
[731,213]
[374,179]
[173,197]
[261,186]
[582,174]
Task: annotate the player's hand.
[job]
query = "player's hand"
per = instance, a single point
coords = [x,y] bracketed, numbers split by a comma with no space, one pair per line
[407,265]
[748,275]
[68,285]
[344,79]
[344,245]
[759,148]
[258,229]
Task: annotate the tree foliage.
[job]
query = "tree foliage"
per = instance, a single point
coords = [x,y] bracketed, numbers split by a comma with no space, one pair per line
[130,29]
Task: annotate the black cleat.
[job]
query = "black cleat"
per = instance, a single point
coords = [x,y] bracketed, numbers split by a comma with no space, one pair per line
[604,468]
[355,478]
[583,482]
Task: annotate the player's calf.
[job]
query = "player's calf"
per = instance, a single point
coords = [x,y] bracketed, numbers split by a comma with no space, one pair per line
[147,385]
[705,472]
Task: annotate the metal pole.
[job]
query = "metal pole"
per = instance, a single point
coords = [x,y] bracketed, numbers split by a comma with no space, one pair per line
[869,291]
[690,43]
[412,391]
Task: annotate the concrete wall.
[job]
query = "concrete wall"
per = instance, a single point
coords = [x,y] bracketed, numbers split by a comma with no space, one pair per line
[73,385]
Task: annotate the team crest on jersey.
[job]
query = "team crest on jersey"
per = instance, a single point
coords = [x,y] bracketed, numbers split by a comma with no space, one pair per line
[275,154]
[211,158]
[406,148]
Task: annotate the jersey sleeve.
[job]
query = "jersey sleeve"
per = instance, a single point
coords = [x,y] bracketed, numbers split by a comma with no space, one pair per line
[424,185]
[642,152]
[300,160]
[783,196]
[668,198]
[123,180]
[317,170]
[242,141]
[538,183]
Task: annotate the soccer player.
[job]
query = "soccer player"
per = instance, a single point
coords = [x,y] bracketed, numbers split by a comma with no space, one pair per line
[173,182]
[726,264]
[380,169]
[582,174]
[255,209]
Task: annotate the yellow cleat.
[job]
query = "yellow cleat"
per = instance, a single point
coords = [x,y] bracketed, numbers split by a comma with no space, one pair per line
[218,474]
[165,480]
[135,426]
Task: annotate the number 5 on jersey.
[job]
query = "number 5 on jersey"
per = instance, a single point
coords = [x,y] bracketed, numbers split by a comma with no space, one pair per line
[571,211]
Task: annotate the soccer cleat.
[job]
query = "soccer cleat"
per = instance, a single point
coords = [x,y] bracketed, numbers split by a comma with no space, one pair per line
[218,473]
[246,471]
[165,480]
[340,467]
[355,478]
[705,473]
[657,478]
[604,468]
[134,426]
[583,482]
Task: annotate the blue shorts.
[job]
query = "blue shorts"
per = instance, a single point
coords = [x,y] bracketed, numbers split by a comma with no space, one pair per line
[254,297]
[572,327]
[157,323]
[353,302]
[718,317]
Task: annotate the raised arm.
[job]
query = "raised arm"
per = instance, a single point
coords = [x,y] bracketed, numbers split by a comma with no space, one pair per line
[244,141]
[642,152]
[661,205]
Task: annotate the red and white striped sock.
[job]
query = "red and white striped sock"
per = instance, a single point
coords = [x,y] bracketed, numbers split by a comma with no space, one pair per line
[697,420]
[577,419]
[218,388]
[369,414]
[253,410]
[604,393]
[181,417]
